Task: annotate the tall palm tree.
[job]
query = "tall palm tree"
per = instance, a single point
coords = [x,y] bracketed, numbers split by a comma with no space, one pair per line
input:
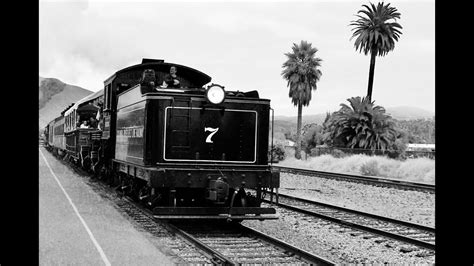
[362,125]
[376,35]
[302,73]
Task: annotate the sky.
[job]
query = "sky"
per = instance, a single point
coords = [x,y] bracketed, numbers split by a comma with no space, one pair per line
[241,45]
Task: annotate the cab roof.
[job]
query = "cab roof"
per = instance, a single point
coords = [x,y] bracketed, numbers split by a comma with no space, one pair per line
[197,77]
[84,100]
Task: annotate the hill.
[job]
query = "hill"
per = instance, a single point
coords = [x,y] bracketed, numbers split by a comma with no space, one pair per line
[55,96]
[287,124]
[398,113]
[409,113]
[318,119]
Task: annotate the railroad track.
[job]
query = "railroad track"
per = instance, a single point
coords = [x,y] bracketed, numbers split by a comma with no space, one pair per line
[415,234]
[235,244]
[227,243]
[377,181]
[214,242]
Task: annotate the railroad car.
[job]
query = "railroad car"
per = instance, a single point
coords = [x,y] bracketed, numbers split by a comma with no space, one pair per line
[83,144]
[47,136]
[197,151]
[55,135]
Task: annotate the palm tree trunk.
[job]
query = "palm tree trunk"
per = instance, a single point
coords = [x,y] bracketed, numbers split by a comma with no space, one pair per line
[371,75]
[298,132]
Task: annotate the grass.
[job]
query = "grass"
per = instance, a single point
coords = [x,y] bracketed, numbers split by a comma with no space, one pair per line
[417,170]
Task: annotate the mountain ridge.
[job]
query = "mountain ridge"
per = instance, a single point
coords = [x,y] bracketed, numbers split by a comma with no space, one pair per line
[402,112]
[55,96]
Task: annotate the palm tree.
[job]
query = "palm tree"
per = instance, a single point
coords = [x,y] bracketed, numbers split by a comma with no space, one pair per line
[376,35]
[362,125]
[301,71]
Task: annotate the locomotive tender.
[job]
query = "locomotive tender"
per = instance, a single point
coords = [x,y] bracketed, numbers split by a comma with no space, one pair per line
[191,152]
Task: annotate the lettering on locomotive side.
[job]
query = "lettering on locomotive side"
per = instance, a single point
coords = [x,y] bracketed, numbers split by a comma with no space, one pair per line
[213,131]
[130,132]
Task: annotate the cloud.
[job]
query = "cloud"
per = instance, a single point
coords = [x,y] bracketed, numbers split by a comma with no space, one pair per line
[240,45]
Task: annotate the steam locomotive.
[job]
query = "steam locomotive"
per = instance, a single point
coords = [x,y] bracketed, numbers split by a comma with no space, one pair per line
[197,151]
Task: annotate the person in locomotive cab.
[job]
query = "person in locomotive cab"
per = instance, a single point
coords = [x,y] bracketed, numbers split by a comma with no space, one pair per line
[98,116]
[92,122]
[78,121]
[148,81]
[171,80]
[85,124]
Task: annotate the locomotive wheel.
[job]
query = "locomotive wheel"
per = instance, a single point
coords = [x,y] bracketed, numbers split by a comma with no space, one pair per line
[104,174]
[86,163]
[113,179]
[119,184]
[134,190]
[97,169]
[144,194]
[154,200]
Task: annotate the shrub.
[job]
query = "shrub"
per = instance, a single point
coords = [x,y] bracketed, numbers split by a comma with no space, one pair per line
[370,168]
[398,150]
[314,152]
[338,153]
[279,153]
[419,169]
[289,152]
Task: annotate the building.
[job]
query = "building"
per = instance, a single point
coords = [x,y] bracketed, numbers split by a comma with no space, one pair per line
[420,147]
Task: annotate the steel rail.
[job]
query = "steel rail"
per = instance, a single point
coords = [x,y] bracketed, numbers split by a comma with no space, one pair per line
[228,233]
[380,181]
[221,259]
[313,259]
[216,256]
[371,215]
[359,226]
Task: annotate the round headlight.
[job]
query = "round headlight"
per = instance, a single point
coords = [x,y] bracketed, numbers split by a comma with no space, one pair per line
[215,94]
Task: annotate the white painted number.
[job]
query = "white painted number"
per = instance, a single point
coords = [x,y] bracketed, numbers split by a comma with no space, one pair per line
[213,131]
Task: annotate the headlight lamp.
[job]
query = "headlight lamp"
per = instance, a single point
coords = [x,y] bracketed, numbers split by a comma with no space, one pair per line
[215,94]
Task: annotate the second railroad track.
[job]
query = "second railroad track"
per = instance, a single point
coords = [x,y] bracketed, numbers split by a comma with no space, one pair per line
[376,181]
[411,233]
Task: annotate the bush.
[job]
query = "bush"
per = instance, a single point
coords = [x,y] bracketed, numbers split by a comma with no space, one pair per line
[289,152]
[314,152]
[419,169]
[278,152]
[338,153]
[398,150]
[370,168]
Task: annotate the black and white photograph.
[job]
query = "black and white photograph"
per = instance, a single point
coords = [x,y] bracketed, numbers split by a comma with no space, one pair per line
[236,132]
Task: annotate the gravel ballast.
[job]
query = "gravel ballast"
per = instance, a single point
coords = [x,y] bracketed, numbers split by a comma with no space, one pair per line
[412,206]
[341,244]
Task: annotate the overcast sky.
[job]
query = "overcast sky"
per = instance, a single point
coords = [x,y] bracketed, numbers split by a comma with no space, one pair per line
[241,45]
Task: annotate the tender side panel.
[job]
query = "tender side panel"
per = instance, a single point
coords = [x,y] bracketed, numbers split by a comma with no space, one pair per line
[210,135]
[130,132]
